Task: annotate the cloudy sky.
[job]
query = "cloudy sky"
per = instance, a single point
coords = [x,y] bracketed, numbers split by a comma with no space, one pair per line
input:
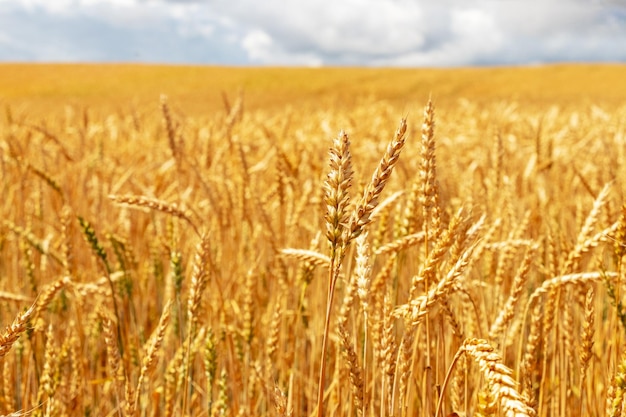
[314,32]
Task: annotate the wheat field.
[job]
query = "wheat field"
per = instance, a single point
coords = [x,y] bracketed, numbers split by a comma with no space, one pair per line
[426,243]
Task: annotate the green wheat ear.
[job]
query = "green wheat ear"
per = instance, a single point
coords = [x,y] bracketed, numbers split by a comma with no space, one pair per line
[48,179]
[615,302]
[92,239]
[124,262]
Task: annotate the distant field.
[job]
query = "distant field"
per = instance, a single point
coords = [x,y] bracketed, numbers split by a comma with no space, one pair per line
[47,88]
[174,256]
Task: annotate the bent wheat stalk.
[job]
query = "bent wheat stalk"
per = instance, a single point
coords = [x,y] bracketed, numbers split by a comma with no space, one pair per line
[154,204]
[502,386]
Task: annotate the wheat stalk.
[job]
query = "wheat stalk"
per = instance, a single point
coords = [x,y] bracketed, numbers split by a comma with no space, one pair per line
[359,218]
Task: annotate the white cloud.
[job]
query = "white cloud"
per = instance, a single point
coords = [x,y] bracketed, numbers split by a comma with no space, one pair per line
[476,31]
[261,48]
[316,32]
[258,44]
[337,30]
[453,32]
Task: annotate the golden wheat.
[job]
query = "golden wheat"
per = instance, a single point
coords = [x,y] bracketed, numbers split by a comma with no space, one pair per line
[495,243]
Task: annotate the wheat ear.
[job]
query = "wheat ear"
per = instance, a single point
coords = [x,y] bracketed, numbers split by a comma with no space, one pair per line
[199,280]
[415,311]
[170,128]
[155,204]
[507,312]
[501,384]
[572,279]
[584,237]
[586,345]
[363,210]
[362,273]
[280,403]
[356,372]
[305,255]
[114,359]
[401,243]
[13,332]
[7,296]
[154,344]
[337,199]
[33,241]
[336,190]
[361,217]
[615,407]
[429,193]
